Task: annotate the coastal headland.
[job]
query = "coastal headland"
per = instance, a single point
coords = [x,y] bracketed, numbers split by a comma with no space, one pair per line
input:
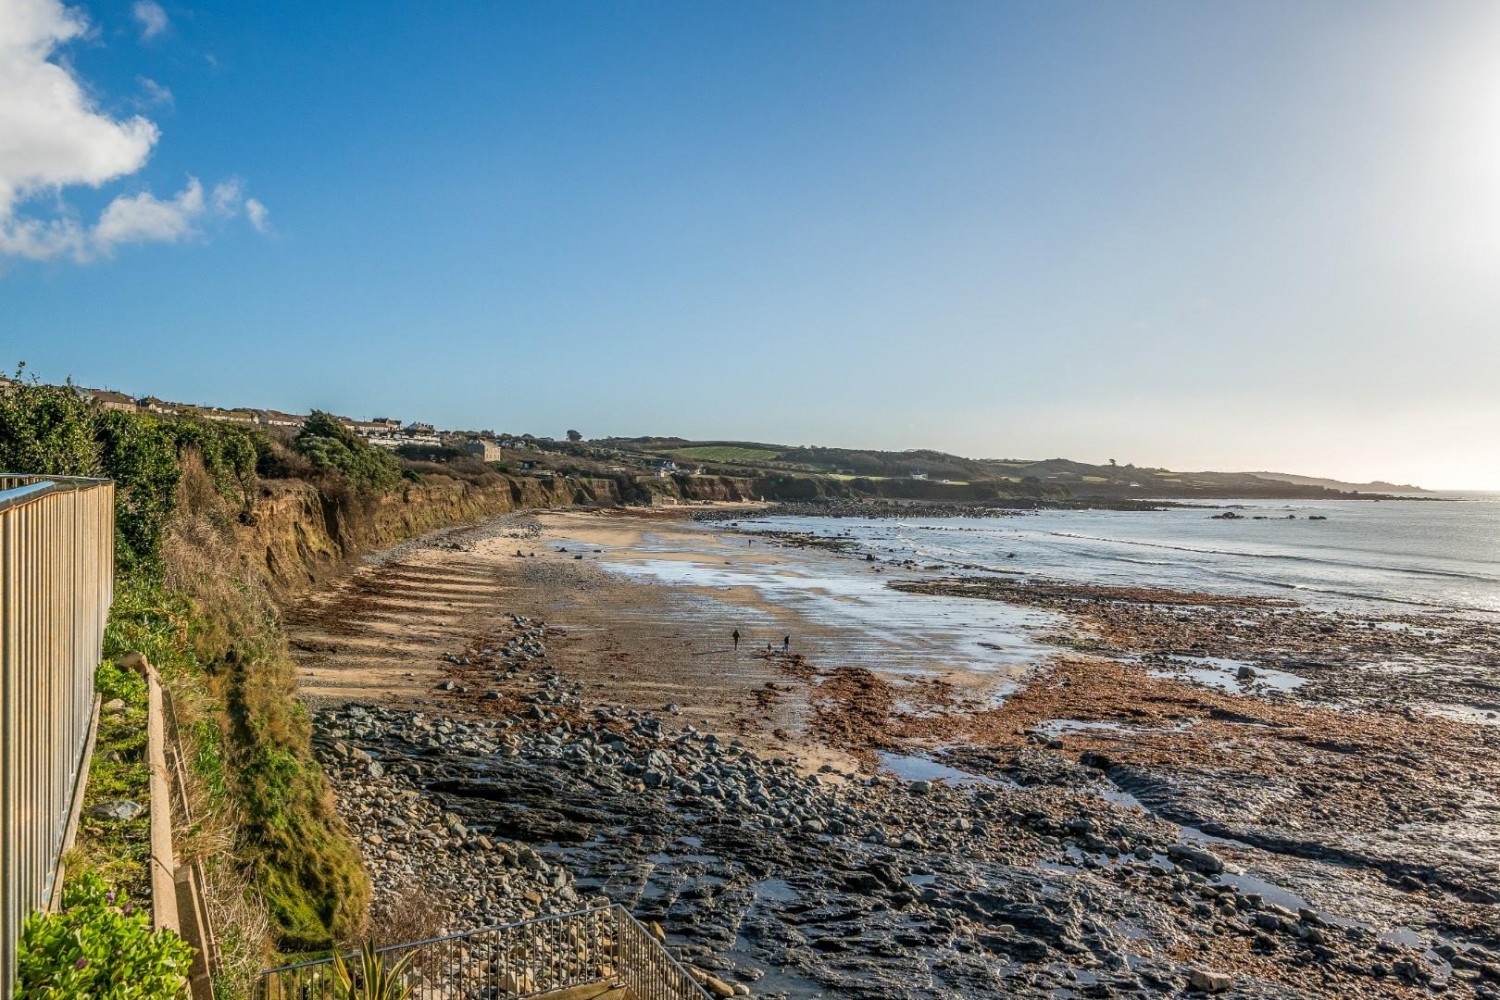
[515,721]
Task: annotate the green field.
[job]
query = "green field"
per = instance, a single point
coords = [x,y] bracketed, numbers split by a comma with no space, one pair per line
[726,453]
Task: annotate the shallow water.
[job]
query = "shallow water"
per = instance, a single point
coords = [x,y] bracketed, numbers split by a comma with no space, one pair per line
[1436,554]
[1221,673]
[912,767]
[882,628]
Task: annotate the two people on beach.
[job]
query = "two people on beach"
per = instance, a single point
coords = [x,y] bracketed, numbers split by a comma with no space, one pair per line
[786,643]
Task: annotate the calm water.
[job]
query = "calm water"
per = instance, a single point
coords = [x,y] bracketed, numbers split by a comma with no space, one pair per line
[1422,554]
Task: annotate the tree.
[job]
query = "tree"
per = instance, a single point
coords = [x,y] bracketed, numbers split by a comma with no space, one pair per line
[332,446]
[574,436]
[46,430]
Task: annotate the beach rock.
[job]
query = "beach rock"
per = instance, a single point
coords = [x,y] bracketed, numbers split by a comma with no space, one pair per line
[1195,858]
[119,809]
[717,987]
[1209,982]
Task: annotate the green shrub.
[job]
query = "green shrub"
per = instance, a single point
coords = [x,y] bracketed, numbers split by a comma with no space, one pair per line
[229,453]
[332,447]
[146,618]
[99,947]
[139,453]
[51,430]
[111,681]
[46,430]
[371,978]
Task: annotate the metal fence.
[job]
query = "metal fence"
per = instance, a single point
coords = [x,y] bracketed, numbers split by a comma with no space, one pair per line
[513,961]
[57,542]
[645,967]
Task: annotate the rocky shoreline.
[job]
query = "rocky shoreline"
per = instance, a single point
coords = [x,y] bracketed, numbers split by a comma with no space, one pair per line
[1035,865]
[881,507]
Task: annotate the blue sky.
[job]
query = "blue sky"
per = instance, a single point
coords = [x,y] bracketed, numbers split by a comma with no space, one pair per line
[1232,235]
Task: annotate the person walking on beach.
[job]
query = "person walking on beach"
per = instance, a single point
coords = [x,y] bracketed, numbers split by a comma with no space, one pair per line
[735,635]
[786,644]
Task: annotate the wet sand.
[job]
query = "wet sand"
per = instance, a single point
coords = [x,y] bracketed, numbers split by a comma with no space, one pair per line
[388,635]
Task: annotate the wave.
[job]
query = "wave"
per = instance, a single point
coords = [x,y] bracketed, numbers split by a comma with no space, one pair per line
[1287,557]
[964,560]
[979,553]
[1362,595]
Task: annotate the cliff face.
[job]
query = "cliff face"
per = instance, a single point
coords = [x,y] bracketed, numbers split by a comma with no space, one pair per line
[299,537]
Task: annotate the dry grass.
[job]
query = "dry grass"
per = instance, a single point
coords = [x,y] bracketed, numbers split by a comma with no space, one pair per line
[241,927]
[262,795]
[413,915]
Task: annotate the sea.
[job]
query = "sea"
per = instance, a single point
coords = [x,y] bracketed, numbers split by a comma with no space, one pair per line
[1439,554]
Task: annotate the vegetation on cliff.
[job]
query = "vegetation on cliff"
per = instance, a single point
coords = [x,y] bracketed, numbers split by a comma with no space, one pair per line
[181,486]
[332,447]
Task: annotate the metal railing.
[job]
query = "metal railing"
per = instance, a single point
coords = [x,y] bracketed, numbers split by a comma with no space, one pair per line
[645,968]
[57,543]
[604,945]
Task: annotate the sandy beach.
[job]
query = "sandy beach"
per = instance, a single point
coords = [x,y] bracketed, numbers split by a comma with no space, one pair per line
[1250,828]
[387,634]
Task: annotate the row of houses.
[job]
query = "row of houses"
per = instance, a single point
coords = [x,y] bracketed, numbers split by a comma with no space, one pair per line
[110,400]
[383,432]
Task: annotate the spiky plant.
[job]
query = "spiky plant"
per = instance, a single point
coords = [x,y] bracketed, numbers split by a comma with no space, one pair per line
[374,981]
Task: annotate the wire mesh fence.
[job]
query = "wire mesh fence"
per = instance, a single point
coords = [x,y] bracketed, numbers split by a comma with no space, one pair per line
[604,945]
[57,540]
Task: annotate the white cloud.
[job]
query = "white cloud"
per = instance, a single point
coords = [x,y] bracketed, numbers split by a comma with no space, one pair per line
[36,239]
[258,214]
[151,17]
[143,218]
[53,136]
[228,197]
[154,93]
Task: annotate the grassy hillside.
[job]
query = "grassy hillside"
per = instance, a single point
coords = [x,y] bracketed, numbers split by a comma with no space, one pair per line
[726,453]
[864,471]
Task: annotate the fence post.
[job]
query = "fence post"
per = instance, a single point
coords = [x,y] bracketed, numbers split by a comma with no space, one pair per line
[163,861]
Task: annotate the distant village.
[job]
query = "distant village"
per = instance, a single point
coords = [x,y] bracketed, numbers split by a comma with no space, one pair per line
[383,432]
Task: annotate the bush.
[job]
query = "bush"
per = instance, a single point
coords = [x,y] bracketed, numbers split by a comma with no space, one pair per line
[276,457]
[140,455]
[466,469]
[46,430]
[332,447]
[229,453]
[51,430]
[114,681]
[99,947]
